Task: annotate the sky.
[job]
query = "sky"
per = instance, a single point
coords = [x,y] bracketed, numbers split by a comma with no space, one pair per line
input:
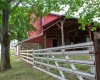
[63,11]
[76,13]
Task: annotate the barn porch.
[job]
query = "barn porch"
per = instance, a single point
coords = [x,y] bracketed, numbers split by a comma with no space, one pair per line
[64,31]
[59,32]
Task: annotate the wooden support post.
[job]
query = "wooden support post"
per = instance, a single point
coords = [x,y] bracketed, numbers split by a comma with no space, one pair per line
[97,58]
[62,33]
[27,54]
[89,31]
[48,69]
[33,58]
[44,41]
[38,45]
[92,58]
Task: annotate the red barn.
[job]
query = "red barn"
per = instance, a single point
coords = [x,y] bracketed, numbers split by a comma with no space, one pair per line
[56,30]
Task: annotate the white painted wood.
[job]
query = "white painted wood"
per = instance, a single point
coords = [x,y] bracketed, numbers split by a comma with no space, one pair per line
[68,70]
[26,51]
[51,74]
[30,54]
[33,57]
[27,54]
[47,62]
[17,49]
[27,61]
[26,57]
[72,65]
[80,45]
[23,57]
[83,62]
[56,63]
[92,58]
[45,58]
[81,52]
[30,58]
[74,68]
[22,53]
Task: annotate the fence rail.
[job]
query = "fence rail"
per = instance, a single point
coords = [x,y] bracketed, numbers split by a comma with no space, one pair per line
[65,60]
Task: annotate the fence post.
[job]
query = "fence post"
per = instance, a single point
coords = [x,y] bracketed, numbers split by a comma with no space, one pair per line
[92,58]
[97,58]
[33,58]
[27,54]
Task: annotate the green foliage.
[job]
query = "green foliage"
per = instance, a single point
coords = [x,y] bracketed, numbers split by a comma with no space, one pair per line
[44,7]
[20,11]
[87,11]
[19,23]
[20,14]
[4,5]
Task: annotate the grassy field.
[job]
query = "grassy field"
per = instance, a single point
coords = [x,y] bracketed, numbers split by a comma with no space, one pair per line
[23,71]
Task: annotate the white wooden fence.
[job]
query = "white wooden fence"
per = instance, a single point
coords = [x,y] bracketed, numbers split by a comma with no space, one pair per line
[64,63]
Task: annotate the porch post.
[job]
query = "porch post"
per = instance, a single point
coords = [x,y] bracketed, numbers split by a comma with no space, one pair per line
[89,31]
[45,41]
[62,33]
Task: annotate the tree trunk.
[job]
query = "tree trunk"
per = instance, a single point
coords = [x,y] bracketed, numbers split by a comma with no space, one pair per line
[96,35]
[5,42]
[97,53]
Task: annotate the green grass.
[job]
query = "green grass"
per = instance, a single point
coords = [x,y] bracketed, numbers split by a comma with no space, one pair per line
[22,71]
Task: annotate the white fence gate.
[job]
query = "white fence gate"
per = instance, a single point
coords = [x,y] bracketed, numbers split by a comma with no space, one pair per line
[71,62]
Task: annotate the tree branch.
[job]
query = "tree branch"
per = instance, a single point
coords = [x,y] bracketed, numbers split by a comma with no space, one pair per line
[9,1]
[95,2]
[17,5]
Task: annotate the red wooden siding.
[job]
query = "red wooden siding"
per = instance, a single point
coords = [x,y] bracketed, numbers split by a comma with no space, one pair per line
[49,18]
[37,39]
[49,43]
[39,23]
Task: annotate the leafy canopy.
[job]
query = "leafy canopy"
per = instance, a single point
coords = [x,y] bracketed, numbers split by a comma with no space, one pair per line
[87,11]
[20,11]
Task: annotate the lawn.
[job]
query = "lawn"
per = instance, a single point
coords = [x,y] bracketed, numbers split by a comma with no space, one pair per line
[23,71]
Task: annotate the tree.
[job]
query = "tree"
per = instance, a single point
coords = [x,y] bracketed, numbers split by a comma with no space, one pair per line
[14,18]
[14,21]
[87,11]
[21,22]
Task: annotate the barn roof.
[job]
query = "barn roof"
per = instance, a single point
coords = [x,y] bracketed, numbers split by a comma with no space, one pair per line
[39,37]
[34,39]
